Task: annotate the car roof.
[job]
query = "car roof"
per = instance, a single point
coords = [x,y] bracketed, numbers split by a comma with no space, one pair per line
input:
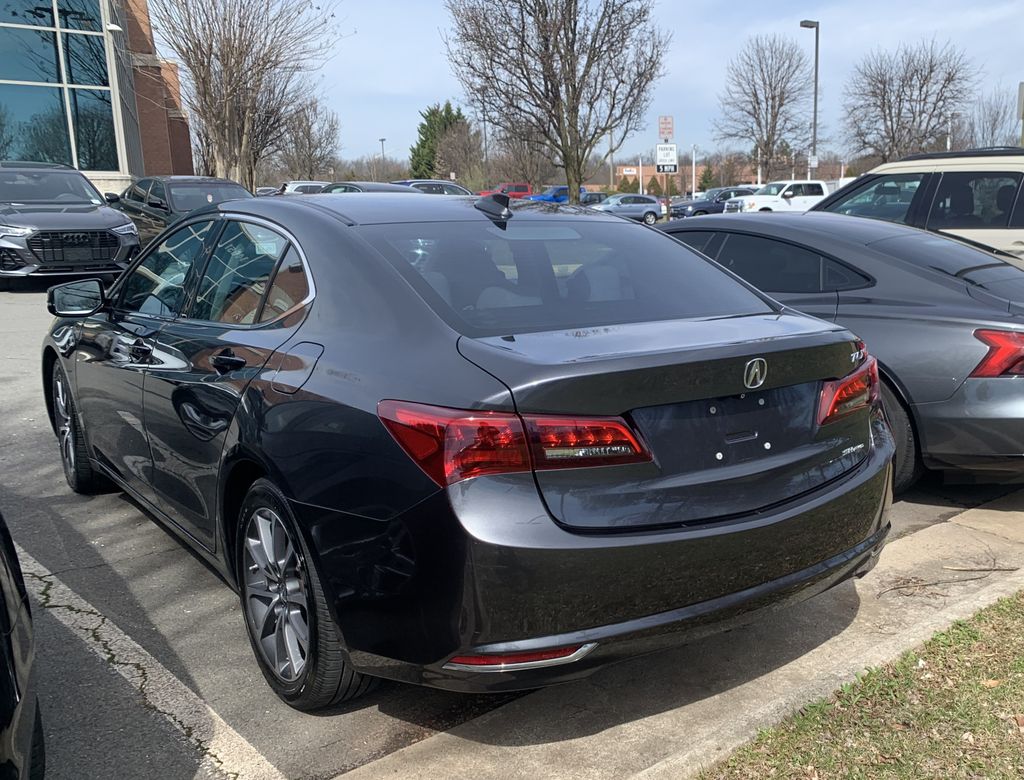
[377,186]
[987,151]
[397,208]
[811,225]
[192,179]
[35,166]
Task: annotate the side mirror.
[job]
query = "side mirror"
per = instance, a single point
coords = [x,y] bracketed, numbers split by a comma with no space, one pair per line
[111,197]
[75,299]
[156,203]
[787,194]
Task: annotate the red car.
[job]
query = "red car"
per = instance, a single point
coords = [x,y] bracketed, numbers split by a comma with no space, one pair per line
[516,189]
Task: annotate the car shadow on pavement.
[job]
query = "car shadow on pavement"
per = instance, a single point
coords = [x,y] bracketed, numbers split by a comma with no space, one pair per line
[649,685]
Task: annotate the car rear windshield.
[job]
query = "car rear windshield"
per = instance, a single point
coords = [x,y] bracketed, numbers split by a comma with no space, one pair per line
[46,187]
[489,280]
[194,195]
[946,255]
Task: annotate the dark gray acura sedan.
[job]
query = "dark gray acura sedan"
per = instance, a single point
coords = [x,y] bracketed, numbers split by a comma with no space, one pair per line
[468,443]
[944,318]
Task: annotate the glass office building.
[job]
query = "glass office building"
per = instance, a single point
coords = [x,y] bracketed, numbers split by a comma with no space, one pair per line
[63,67]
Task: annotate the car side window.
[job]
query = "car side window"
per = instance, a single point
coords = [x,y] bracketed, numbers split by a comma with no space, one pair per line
[156,192]
[451,189]
[886,197]
[290,287]
[813,189]
[770,265]
[137,192]
[238,273]
[697,239]
[429,187]
[974,200]
[836,276]
[158,284]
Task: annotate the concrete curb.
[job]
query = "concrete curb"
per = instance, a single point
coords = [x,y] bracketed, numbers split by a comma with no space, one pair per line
[669,715]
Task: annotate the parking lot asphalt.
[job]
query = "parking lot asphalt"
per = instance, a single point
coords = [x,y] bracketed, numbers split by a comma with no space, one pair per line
[154,676]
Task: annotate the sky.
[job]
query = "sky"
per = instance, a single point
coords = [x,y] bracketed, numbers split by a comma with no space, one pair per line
[391,61]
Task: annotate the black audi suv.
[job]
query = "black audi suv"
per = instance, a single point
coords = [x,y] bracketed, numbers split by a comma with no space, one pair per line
[470,443]
[54,222]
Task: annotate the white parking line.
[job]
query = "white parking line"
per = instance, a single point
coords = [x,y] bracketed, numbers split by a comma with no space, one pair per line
[222,750]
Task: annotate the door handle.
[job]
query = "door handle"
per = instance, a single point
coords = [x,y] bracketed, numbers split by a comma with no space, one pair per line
[227,361]
[139,350]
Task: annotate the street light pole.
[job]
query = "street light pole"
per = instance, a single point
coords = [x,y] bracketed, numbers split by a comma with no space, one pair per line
[813,25]
[693,170]
[949,131]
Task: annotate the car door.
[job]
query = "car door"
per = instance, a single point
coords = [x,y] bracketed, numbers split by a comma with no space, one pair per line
[118,347]
[133,203]
[792,274]
[152,213]
[810,193]
[978,205]
[246,305]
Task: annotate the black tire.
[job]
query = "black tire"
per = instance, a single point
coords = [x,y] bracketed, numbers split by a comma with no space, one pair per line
[325,676]
[37,769]
[650,218]
[906,465]
[699,213]
[764,209]
[82,478]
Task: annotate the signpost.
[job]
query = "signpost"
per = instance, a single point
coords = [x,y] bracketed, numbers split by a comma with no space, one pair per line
[1020,110]
[667,158]
[666,129]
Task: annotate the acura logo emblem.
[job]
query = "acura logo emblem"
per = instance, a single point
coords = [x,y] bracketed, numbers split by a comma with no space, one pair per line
[755,372]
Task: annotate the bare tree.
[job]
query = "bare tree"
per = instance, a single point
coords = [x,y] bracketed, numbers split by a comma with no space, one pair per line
[310,140]
[460,151]
[900,102]
[519,156]
[245,63]
[564,73]
[765,100]
[991,120]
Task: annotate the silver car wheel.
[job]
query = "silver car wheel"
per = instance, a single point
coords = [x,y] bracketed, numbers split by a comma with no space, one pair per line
[276,587]
[65,423]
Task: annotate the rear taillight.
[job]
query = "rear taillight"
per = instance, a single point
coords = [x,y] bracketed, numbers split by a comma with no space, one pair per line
[452,444]
[1005,353]
[559,442]
[840,397]
[531,659]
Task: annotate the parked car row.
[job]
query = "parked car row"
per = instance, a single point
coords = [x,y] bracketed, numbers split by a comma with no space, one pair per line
[351,405]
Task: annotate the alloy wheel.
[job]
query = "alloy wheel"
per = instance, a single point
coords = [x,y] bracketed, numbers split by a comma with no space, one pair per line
[276,588]
[65,421]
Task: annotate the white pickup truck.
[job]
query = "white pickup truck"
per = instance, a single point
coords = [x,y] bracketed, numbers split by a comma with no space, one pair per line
[787,195]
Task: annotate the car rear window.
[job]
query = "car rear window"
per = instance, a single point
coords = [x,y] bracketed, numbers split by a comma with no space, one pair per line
[195,195]
[947,255]
[488,280]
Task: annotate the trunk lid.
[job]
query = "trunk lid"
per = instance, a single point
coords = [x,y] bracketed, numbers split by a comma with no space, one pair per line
[719,449]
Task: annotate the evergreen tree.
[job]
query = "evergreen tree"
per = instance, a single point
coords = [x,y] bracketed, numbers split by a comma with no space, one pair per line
[437,120]
[654,186]
[707,179]
[627,185]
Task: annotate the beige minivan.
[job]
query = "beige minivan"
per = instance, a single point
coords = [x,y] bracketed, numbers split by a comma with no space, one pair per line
[974,194]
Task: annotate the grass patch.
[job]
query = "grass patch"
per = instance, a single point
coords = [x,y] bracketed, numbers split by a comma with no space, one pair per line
[953,708]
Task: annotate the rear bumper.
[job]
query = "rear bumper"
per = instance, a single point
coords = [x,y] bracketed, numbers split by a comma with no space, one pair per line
[979,428]
[498,575]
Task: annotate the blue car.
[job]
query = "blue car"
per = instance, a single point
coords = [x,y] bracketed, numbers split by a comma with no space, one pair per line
[556,194]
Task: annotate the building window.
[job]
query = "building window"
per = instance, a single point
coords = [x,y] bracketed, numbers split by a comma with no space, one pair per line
[56,103]
[33,125]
